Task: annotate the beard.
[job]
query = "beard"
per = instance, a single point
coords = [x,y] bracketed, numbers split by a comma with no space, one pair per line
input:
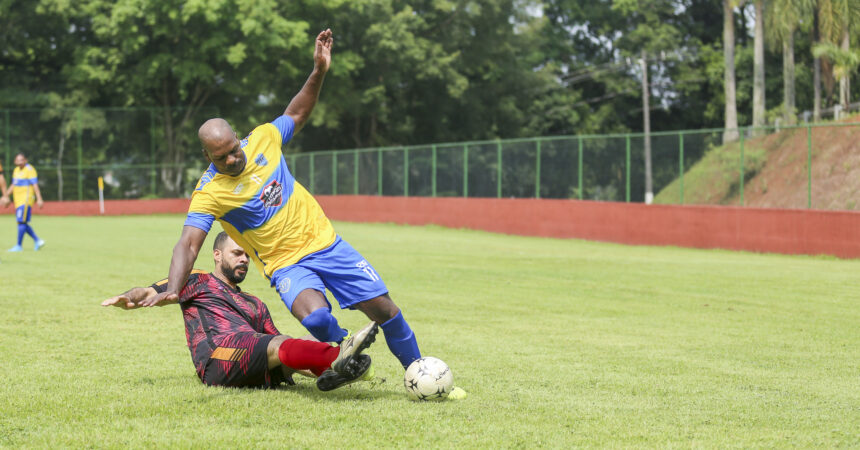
[232,272]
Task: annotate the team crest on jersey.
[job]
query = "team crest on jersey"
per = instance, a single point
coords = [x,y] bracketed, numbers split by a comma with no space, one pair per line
[272,194]
[261,160]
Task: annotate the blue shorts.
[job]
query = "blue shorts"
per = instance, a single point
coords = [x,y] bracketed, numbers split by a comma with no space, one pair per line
[23,213]
[340,268]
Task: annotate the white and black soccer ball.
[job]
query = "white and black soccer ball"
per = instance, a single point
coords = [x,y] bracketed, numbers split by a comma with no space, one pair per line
[428,378]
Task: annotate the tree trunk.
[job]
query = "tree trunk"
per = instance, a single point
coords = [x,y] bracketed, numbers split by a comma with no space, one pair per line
[788,79]
[816,73]
[758,70]
[845,81]
[646,118]
[730,133]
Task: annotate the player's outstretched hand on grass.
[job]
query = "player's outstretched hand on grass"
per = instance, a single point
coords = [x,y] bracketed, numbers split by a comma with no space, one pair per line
[322,52]
[164,298]
[120,301]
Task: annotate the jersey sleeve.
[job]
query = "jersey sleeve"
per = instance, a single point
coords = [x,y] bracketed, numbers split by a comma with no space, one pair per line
[161,285]
[285,126]
[202,212]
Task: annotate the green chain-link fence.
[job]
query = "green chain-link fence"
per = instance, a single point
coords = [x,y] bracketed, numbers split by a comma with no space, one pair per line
[71,148]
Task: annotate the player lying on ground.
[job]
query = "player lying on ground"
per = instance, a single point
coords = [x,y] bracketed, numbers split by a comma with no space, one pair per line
[233,340]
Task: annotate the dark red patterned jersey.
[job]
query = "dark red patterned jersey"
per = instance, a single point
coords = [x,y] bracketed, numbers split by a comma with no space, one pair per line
[214,312]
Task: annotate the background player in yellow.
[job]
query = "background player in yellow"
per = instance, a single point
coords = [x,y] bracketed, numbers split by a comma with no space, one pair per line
[248,188]
[25,191]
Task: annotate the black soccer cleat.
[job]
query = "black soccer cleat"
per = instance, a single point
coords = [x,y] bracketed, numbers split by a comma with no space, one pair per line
[353,345]
[353,368]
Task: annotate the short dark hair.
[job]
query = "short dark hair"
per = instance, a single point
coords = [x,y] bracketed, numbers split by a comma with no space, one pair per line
[219,241]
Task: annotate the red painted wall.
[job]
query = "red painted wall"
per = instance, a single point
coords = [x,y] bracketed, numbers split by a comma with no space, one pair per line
[763,230]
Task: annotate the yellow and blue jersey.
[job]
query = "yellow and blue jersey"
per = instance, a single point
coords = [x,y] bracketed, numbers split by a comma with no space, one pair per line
[264,209]
[23,180]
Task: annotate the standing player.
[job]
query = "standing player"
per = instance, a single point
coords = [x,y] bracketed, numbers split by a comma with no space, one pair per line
[25,190]
[249,189]
[233,340]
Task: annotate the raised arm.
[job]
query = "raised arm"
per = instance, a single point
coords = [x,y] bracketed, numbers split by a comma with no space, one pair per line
[184,254]
[303,103]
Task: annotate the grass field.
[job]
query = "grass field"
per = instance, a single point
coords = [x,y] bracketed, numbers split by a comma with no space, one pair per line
[560,343]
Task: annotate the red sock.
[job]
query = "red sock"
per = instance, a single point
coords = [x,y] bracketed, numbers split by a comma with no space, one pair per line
[300,354]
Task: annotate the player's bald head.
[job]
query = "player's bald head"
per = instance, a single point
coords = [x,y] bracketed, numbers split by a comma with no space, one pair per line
[215,133]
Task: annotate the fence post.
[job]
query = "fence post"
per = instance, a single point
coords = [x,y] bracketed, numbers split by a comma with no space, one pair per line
[681,163]
[433,169]
[355,172]
[537,170]
[152,171]
[499,169]
[466,170]
[8,145]
[80,155]
[311,182]
[808,167]
[579,168]
[334,173]
[406,171]
[627,167]
[742,165]
[379,171]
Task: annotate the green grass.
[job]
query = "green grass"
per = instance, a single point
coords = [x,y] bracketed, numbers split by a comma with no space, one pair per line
[560,343]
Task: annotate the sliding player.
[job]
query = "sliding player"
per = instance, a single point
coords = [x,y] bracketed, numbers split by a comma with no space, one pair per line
[233,340]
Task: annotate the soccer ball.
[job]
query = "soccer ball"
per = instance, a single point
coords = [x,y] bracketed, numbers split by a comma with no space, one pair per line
[428,378]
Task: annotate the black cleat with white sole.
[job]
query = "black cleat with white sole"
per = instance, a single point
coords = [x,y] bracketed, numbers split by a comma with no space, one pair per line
[352,369]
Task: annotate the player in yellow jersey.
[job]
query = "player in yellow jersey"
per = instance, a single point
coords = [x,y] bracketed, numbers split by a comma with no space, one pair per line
[25,190]
[248,188]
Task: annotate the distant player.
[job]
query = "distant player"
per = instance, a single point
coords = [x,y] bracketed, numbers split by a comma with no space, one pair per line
[233,340]
[249,189]
[25,190]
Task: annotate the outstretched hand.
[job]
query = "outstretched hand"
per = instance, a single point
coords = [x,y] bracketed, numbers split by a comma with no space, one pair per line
[322,52]
[164,298]
[120,301]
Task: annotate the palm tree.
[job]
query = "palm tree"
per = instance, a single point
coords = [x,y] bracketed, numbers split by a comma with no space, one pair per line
[731,111]
[835,19]
[758,69]
[781,21]
[844,61]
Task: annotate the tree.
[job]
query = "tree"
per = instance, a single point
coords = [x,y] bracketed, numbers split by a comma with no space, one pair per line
[178,55]
[759,107]
[782,21]
[845,62]
[835,18]
[730,133]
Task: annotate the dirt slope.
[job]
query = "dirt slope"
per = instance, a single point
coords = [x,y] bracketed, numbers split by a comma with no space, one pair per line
[775,169]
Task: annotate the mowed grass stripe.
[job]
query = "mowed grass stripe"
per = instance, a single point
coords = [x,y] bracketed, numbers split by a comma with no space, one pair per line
[559,342]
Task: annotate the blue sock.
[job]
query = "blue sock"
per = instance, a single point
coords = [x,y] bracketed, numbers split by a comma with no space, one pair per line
[401,340]
[29,230]
[323,326]
[22,227]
